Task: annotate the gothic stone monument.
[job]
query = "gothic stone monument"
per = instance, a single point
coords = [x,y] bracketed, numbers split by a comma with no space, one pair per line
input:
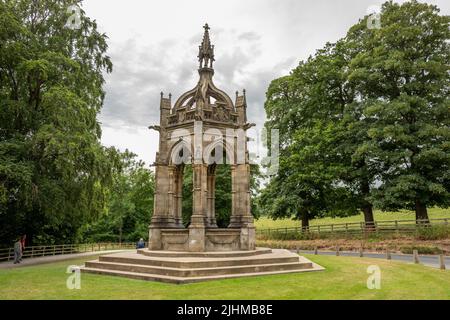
[204,128]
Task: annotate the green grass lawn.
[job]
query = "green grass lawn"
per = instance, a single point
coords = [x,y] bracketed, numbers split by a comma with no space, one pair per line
[433,213]
[344,278]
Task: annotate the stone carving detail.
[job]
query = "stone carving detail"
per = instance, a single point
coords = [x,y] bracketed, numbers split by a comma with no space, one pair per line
[181,116]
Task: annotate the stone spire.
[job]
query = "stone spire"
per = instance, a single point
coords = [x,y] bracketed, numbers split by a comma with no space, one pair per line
[206,50]
[200,97]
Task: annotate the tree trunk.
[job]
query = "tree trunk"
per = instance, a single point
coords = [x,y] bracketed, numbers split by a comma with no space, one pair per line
[305,221]
[421,213]
[367,206]
[120,233]
[368,216]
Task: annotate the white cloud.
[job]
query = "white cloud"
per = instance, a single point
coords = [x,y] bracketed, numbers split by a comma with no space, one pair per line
[153,45]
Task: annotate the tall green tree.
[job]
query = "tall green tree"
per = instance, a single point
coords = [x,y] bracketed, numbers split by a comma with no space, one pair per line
[129,205]
[373,110]
[54,172]
[316,160]
[402,77]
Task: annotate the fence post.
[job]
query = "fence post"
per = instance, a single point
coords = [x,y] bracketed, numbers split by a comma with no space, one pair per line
[32,252]
[337,250]
[361,252]
[441,262]
[416,256]
[9,254]
[315,250]
[388,254]
[332,227]
[54,249]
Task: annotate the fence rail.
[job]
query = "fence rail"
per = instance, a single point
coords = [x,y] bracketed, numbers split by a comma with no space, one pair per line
[52,250]
[403,226]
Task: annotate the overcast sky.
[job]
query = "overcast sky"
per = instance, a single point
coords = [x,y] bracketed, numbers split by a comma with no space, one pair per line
[154,46]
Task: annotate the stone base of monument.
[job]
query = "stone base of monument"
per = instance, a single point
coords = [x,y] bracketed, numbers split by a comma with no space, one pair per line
[186,267]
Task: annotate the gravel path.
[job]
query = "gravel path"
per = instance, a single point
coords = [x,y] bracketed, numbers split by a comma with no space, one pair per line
[49,259]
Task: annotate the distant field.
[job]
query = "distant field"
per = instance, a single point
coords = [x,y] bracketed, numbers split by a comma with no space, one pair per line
[434,213]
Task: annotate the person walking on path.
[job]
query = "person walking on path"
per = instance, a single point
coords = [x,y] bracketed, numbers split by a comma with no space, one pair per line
[22,245]
[17,251]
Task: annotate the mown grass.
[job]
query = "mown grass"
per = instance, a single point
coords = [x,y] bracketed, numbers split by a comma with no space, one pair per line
[433,213]
[344,278]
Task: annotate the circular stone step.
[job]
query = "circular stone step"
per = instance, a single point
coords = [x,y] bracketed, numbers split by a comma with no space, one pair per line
[210,254]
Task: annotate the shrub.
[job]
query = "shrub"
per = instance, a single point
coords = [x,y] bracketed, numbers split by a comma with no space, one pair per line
[433,232]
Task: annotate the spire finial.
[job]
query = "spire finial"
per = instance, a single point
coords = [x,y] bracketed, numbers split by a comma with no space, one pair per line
[206,50]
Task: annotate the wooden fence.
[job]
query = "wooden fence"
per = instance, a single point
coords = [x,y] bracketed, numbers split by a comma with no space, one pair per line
[391,226]
[52,250]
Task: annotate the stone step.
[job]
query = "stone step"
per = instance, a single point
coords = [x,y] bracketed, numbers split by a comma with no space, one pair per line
[214,254]
[198,262]
[182,280]
[198,272]
[186,269]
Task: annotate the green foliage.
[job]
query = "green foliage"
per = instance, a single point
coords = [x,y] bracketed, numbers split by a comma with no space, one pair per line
[129,205]
[403,79]
[54,173]
[433,232]
[365,121]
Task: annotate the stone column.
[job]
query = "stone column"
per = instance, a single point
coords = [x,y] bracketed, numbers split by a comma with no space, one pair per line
[197,226]
[179,197]
[233,195]
[211,186]
[171,193]
[241,216]
[161,218]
